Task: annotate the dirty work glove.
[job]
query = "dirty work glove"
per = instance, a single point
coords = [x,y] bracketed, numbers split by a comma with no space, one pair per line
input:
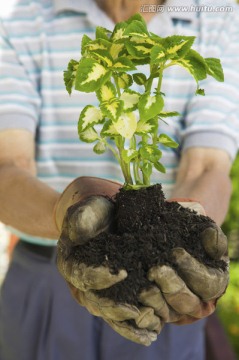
[83,211]
[192,292]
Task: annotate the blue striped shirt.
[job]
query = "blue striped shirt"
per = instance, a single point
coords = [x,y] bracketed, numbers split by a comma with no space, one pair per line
[39,37]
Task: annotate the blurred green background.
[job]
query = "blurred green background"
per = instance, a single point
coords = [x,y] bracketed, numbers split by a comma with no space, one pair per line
[228,305]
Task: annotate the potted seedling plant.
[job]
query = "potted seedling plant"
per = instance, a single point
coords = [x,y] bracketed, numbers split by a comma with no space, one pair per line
[127,122]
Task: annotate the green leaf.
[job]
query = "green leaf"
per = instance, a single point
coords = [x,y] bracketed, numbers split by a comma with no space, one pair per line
[126,125]
[109,129]
[102,33]
[158,54]
[128,155]
[158,166]
[89,135]
[106,92]
[130,99]
[167,141]
[150,152]
[145,127]
[195,64]
[123,64]
[139,78]
[150,106]
[124,80]
[104,56]
[214,68]
[200,92]
[147,169]
[90,75]
[112,108]
[137,17]
[169,114]
[99,147]
[89,116]
[70,75]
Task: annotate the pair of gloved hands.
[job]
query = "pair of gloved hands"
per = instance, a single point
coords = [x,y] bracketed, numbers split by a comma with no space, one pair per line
[82,212]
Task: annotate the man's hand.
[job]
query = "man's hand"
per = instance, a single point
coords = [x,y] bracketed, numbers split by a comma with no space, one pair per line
[192,292]
[88,212]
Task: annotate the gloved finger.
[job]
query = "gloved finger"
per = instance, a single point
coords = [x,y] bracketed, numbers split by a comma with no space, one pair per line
[193,205]
[214,242]
[153,298]
[174,289]
[107,308]
[85,277]
[148,320]
[139,336]
[208,283]
[89,218]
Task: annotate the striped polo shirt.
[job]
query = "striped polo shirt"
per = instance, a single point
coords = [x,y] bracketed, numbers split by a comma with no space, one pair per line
[39,37]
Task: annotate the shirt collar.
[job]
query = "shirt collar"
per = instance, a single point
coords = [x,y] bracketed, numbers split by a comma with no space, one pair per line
[89,6]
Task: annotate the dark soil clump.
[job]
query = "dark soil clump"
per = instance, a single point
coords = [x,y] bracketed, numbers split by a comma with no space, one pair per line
[146,228]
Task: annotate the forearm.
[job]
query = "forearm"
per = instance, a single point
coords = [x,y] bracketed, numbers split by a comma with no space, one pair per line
[27,204]
[214,196]
[209,184]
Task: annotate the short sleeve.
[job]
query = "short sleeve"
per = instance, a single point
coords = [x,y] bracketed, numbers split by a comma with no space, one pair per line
[19,100]
[213,120]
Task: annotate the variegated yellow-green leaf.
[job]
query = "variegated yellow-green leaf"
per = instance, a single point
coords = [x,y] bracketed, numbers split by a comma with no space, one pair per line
[115,50]
[150,106]
[140,78]
[112,108]
[130,99]
[123,64]
[106,92]
[90,75]
[99,147]
[102,33]
[124,80]
[177,45]
[167,141]
[137,28]
[129,154]
[195,64]
[109,129]
[104,56]
[141,50]
[126,125]
[84,42]
[89,116]
[164,114]
[118,33]
[145,127]
[89,135]
[157,54]
[150,152]
[98,44]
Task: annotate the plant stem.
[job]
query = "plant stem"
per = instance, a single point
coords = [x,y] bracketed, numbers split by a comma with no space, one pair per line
[160,78]
[117,86]
[124,167]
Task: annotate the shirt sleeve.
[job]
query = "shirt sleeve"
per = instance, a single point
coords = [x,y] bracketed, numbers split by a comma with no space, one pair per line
[213,120]
[19,100]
